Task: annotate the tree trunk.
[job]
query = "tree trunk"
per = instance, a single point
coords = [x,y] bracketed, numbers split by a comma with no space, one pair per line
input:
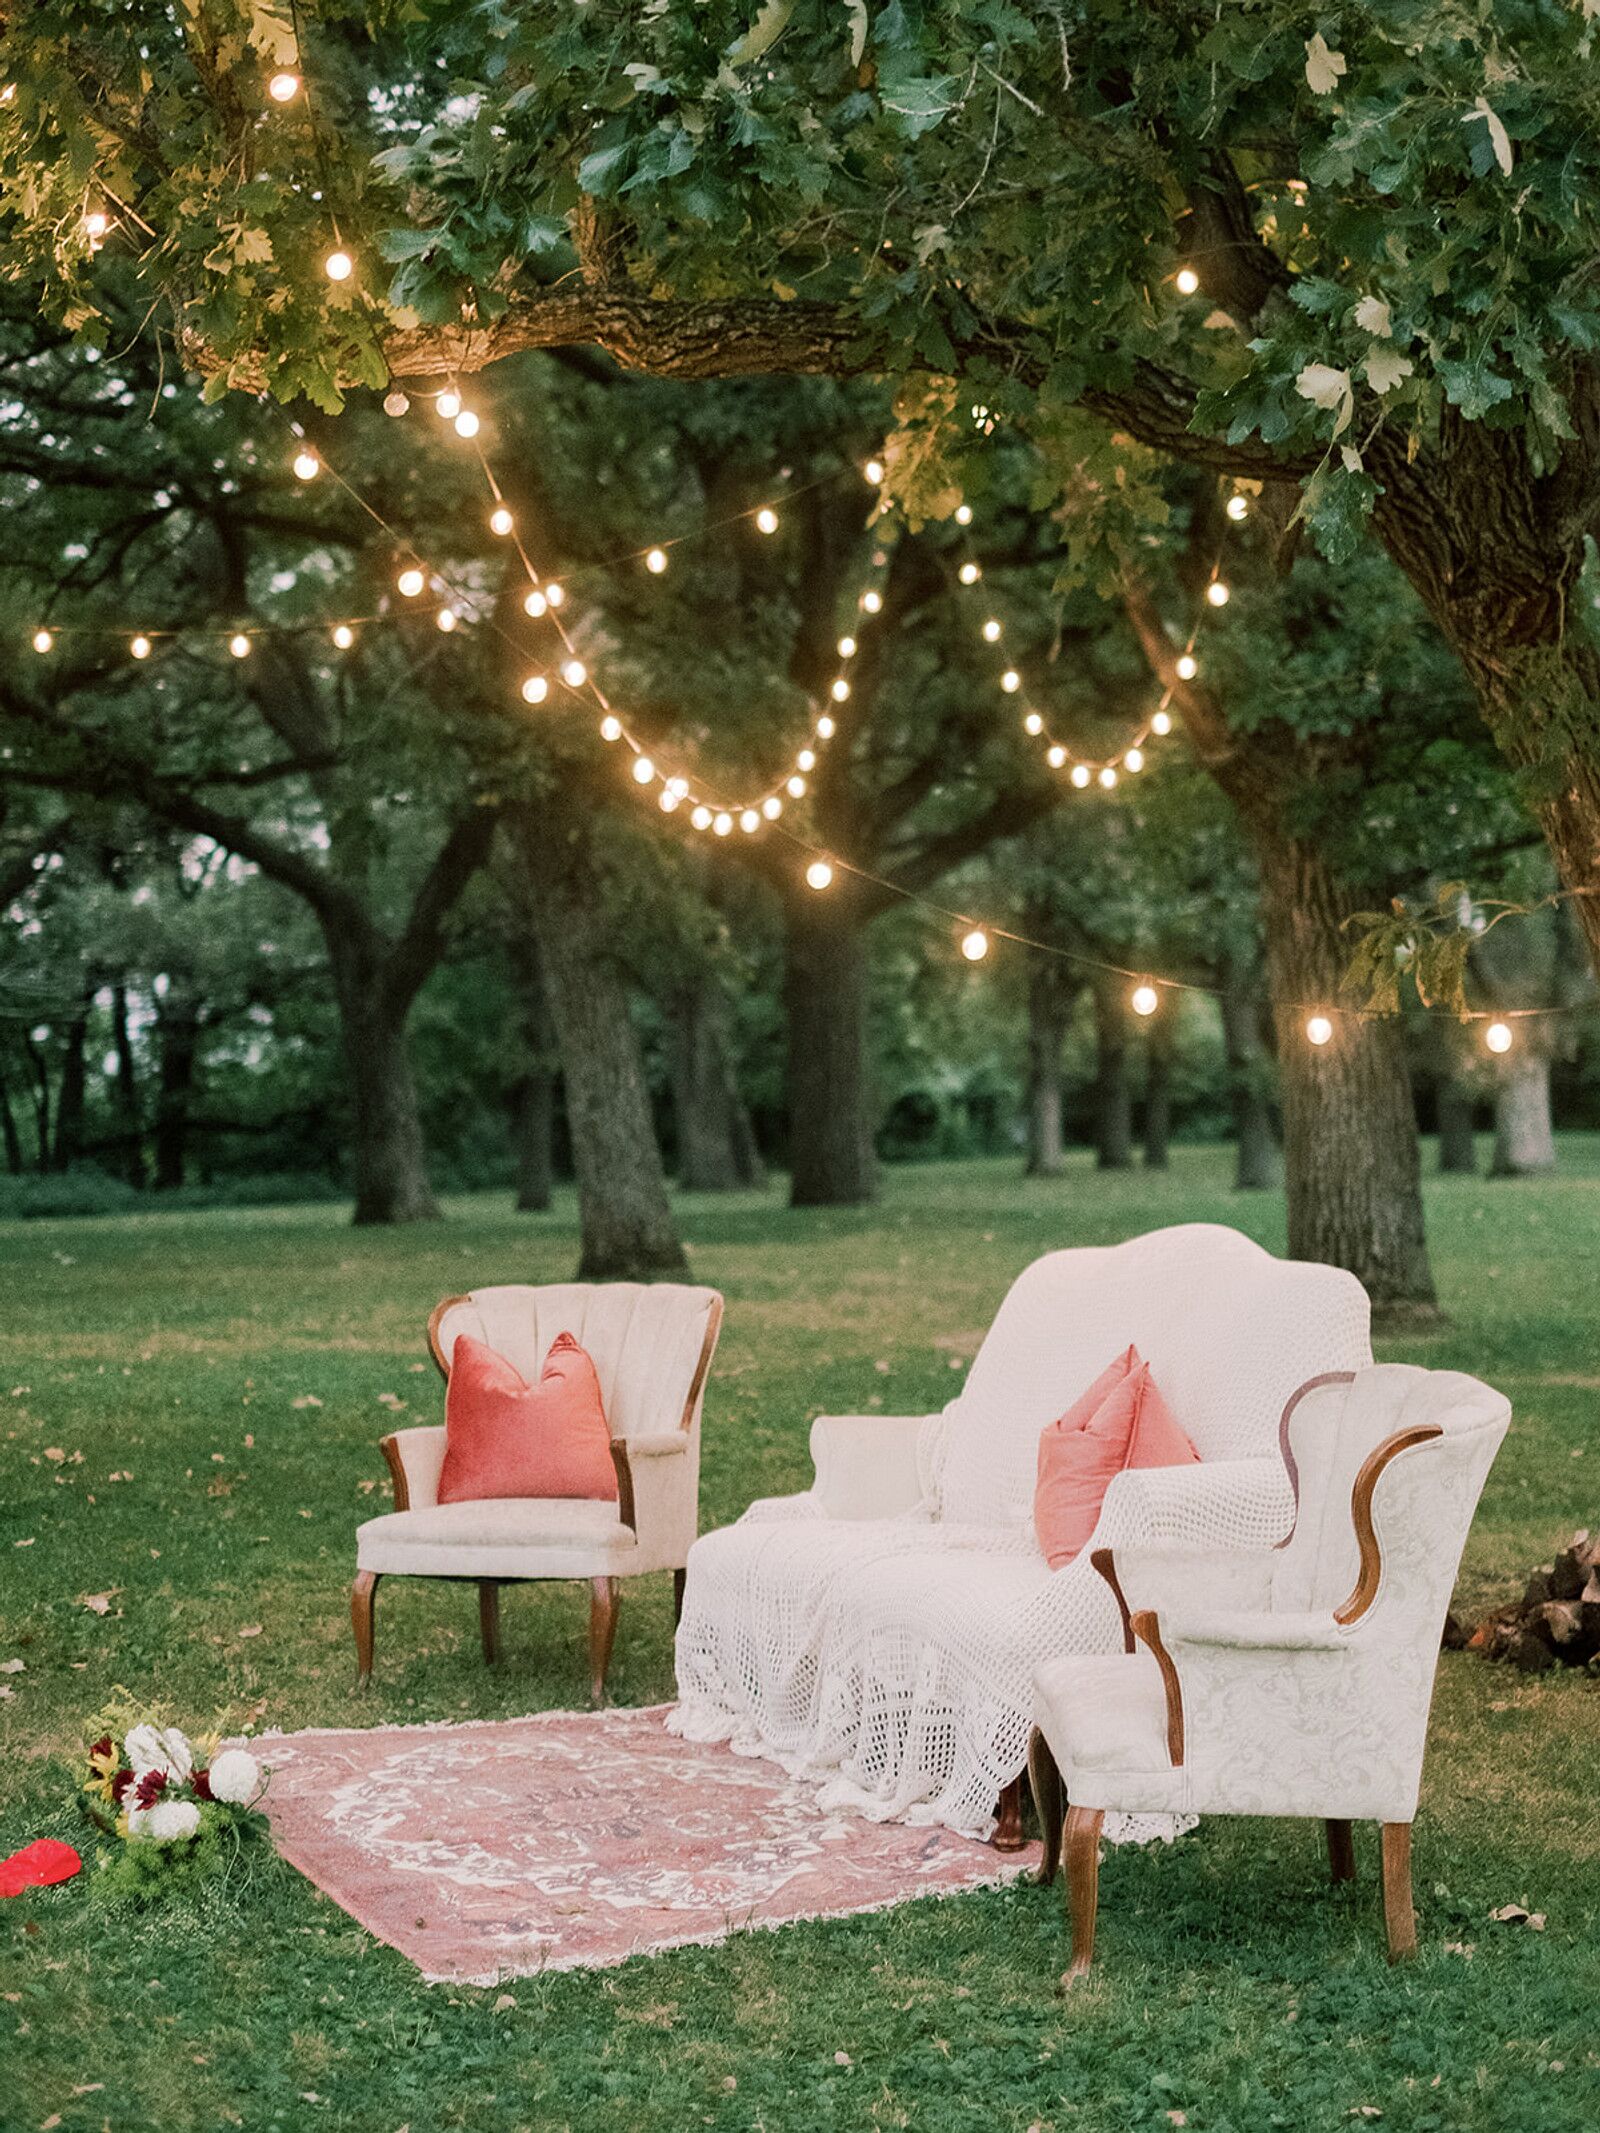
[1051,994]
[127,1088]
[624,1218]
[8,1132]
[178,1047]
[1524,1145]
[1353,1169]
[1113,1101]
[387,1156]
[70,1096]
[716,1146]
[832,1162]
[533,1096]
[1258,1164]
[1158,1087]
[1458,1149]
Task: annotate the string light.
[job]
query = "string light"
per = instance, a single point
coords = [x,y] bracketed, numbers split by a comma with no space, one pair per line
[446,618]
[1187,280]
[796,788]
[750,820]
[1187,666]
[1238,507]
[1498,1037]
[1318,1029]
[95,224]
[554,594]
[1161,722]
[1080,775]
[1108,777]
[656,561]
[668,801]
[1011,681]
[1033,723]
[872,601]
[847,647]
[1055,755]
[873,470]
[448,404]
[410,582]
[825,728]
[611,727]
[643,770]
[701,818]
[963,514]
[467,423]
[1217,593]
[772,807]
[574,673]
[991,631]
[969,573]
[1144,999]
[975,945]
[767,519]
[396,403]
[343,637]
[722,823]
[42,640]
[534,603]
[818,874]
[140,648]
[840,690]
[307,466]
[284,88]
[535,689]
[239,645]
[338,266]
[500,521]
[1133,759]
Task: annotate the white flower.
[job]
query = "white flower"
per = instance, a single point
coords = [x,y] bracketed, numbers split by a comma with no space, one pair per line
[235,1777]
[1373,316]
[1323,67]
[178,1756]
[1329,389]
[1386,368]
[167,1822]
[144,1750]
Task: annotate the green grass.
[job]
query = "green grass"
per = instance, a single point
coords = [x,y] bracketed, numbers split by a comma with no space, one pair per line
[1235,1987]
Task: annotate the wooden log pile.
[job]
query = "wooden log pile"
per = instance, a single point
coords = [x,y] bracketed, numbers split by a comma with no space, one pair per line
[1555,1623]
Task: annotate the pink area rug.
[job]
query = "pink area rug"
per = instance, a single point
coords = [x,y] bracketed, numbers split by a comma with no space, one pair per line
[573,1840]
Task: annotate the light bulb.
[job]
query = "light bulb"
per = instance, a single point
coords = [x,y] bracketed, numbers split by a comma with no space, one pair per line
[679,787]
[871,602]
[534,603]
[535,689]
[643,770]
[1055,755]
[991,631]
[975,945]
[410,582]
[796,788]
[669,800]
[467,423]
[873,470]
[963,514]
[772,807]
[750,821]
[140,648]
[806,759]
[1011,681]
[1217,593]
[818,874]
[1033,723]
[840,690]
[1108,777]
[42,640]
[96,223]
[656,561]
[343,637]
[1080,775]
[1187,666]
[307,466]
[574,673]
[396,403]
[1133,760]
[1161,722]
[847,647]
[284,88]
[1498,1037]
[501,521]
[701,818]
[825,728]
[1187,281]
[1144,999]
[1319,1029]
[554,594]
[767,519]
[611,727]
[338,266]
[969,573]
[447,619]
[722,823]
[448,405]
[1238,508]
[239,645]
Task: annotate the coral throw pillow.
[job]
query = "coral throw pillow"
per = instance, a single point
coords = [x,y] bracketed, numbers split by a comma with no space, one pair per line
[505,1437]
[1121,1421]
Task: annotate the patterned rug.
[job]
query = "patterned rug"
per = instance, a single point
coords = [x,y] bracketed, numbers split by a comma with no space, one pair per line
[572,1840]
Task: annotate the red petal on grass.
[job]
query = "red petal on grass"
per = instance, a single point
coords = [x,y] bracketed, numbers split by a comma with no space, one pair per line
[37,1866]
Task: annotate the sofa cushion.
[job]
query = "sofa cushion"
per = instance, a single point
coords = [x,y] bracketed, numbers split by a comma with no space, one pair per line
[1130,1425]
[506,1438]
[506,1537]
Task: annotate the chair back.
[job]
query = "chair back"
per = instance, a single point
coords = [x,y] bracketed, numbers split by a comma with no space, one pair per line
[651,1343]
[1228,1330]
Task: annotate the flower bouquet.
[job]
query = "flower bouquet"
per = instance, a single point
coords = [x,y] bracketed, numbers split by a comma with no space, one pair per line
[181,1807]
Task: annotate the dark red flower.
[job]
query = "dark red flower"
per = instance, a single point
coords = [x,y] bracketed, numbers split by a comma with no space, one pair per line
[150,1788]
[200,1782]
[120,1784]
[103,1746]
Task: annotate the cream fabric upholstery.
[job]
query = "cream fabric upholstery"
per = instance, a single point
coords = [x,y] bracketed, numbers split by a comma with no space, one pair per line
[1286,1710]
[880,1632]
[651,1346]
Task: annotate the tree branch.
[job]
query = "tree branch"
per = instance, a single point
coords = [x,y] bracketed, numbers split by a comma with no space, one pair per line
[416,953]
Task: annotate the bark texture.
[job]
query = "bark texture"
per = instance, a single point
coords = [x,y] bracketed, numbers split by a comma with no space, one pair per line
[1113,1096]
[1051,996]
[533,1094]
[826,975]
[178,1052]
[1158,1089]
[1458,1148]
[388,1158]
[1258,1163]
[716,1144]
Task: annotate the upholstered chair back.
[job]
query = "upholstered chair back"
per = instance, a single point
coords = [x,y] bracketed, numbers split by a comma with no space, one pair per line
[1228,1330]
[651,1342]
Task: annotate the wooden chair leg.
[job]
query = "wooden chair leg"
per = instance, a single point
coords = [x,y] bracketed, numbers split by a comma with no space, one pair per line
[489,1618]
[679,1580]
[1008,1835]
[1045,1779]
[1398,1913]
[1083,1885]
[363,1594]
[604,1605]
[1341,1851]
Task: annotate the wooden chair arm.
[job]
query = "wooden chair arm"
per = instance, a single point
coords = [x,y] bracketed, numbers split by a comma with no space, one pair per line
[1147,1629]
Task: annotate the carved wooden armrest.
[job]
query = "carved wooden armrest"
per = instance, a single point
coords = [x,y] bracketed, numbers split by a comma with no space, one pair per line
[1147,1629]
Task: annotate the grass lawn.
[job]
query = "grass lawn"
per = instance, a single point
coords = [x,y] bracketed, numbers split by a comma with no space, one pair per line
[173,1359]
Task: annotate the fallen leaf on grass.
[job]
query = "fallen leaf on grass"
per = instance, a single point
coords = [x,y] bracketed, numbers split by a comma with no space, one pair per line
[843,2059]
[1363,2110]
[6,1692]
[13,1666]
[1513,1914]
[305,1399]
[55,1452]
[251,1629]
[503,2002]
[392,1401]
[28,1543]
[98,1603]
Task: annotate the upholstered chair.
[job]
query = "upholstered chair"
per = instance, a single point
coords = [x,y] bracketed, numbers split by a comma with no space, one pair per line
[1292,1680]
[652,1348]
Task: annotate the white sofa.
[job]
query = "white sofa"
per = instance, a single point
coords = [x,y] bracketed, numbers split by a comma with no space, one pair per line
[652,1346]
[880,1632]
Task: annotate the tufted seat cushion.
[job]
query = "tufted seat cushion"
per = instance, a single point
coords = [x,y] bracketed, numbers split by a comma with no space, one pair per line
[499,1537]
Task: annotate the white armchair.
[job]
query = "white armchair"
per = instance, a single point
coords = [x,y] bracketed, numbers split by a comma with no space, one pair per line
[1287,1681]
[880,1632]
[652,1348]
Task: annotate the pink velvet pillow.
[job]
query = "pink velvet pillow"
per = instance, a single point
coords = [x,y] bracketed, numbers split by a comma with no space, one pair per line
[505,1437]
[1121,1421]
